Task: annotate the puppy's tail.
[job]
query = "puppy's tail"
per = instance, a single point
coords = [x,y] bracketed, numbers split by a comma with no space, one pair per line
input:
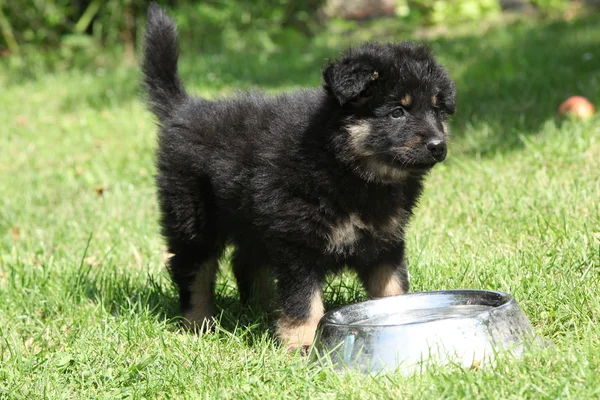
[159,65]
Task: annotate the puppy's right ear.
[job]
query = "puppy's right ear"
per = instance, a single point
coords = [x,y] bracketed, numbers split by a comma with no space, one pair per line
[350,79]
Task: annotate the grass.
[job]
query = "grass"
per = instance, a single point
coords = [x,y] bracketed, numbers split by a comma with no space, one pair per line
[87,311]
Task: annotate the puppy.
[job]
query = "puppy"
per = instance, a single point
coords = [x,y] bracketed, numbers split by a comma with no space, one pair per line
[301,184]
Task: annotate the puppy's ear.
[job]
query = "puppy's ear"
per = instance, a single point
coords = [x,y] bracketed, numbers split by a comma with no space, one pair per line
[447,93]
[350,79]
[449,99]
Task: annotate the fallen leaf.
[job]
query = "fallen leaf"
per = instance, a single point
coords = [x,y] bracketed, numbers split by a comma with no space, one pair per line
[28,343]
[15,233]
[22,120]
[91,260]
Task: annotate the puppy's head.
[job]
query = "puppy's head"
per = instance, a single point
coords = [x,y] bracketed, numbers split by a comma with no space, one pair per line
[395,101]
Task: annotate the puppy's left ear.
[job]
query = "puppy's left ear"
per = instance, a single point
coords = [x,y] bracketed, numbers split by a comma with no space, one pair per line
[450,99]
[350,80]
[447,93]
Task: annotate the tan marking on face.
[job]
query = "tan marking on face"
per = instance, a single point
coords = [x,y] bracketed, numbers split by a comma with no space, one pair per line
[445,129]
[375,75]
[295,333]
[406,100]
[359,132]
[198,316]
[413,144]
[383,282]
[433,100]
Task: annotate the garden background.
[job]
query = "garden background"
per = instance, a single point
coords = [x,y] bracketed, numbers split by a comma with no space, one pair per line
[86,307]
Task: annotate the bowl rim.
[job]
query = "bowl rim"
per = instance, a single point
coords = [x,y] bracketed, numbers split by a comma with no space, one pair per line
[328,317]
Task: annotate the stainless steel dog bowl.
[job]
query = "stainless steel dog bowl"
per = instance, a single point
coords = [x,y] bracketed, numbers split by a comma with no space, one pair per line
[466,327]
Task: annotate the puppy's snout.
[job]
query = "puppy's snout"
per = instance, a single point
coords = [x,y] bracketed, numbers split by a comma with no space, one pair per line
[437,148]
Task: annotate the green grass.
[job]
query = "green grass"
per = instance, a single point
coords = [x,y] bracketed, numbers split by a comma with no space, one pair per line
[87,311]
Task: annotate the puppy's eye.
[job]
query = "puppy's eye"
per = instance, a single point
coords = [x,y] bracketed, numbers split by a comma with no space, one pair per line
[397,112]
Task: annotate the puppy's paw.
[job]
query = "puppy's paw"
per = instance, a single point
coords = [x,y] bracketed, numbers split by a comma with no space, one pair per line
[198,328]
[302,349]
[305,350]
[198,322]
[297,335]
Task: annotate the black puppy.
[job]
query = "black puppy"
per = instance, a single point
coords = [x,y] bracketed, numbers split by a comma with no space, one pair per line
[302,184]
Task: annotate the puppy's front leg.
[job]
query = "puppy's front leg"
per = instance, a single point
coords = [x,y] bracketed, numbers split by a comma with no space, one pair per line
[300,296]
[386,279]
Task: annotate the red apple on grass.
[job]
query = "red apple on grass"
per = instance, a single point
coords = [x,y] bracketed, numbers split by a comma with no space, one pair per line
[576,106]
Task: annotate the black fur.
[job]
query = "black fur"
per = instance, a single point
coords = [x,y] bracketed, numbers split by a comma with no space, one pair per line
[274,175]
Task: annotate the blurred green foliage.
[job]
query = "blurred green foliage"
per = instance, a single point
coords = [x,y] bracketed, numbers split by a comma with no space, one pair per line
[237,24]
[449,11]
[76,24]
[49,23]
[551,6]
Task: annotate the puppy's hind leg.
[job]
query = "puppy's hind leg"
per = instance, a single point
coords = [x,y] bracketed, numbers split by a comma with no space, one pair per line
[254,279]
[195,277]
[189,226]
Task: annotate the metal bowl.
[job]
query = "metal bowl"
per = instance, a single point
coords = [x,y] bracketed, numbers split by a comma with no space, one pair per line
[466,327]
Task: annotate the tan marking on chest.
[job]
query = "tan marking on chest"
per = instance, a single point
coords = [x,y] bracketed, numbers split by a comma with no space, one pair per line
[395,222]
[345,234]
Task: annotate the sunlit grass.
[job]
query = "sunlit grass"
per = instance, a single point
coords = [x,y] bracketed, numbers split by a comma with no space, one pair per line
[86,309]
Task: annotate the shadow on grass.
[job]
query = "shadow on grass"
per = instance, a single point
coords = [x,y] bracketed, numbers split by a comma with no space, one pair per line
[132,295]
[338,291]
[126,295]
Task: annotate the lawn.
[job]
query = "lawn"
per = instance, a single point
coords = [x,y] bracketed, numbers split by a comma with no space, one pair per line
[86,307]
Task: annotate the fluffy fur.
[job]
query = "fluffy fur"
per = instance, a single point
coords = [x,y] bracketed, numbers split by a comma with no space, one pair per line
[302,184]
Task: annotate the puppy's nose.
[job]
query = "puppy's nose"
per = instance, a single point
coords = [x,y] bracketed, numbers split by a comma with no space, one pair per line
[437,148]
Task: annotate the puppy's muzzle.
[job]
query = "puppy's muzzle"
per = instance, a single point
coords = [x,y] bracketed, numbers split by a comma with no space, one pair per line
[437,148]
